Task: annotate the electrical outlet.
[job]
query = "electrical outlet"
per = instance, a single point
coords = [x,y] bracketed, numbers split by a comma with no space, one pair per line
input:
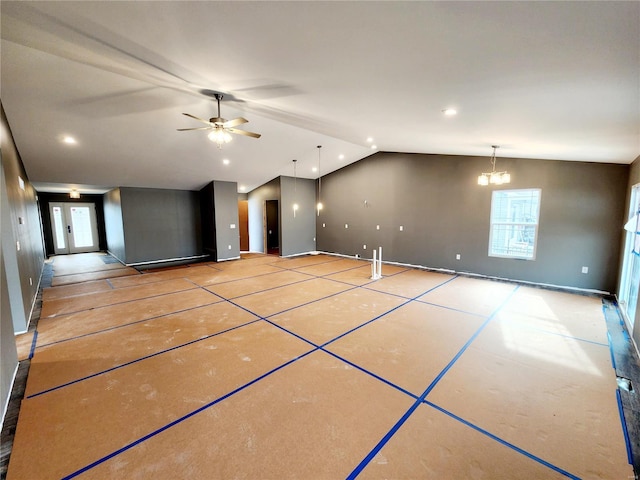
[401,228]
[585,269]
[323,225]
[232,226]
[346,225]
[377,227]
[364,247]
[229,247]
[457,256]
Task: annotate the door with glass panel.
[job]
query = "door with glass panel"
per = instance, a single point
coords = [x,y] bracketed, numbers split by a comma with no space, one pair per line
[74,227]
[630,278]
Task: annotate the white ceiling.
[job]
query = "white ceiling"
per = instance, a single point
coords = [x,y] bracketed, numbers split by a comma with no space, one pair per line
[549,80]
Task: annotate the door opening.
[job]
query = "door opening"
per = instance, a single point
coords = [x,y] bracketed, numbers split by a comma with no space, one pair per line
[243,220]
[74,227]
[272,228]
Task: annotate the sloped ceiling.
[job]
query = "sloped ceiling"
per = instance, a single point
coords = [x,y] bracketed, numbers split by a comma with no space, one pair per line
[549,80]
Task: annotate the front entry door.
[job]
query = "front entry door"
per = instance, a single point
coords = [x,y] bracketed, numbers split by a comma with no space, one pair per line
[74,227]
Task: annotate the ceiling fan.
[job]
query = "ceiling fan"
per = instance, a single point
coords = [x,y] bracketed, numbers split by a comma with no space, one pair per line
[220,127]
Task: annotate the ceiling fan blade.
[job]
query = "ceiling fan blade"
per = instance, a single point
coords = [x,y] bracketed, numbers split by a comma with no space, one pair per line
[196,118]
[243,132]
[198,128]
[235,122]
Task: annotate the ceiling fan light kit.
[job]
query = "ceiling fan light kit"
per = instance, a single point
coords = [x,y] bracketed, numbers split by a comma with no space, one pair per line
[221,128]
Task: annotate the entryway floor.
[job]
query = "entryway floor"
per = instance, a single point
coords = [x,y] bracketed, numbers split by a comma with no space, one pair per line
[273,368]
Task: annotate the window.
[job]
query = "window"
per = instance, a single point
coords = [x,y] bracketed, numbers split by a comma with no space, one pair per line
[514,223]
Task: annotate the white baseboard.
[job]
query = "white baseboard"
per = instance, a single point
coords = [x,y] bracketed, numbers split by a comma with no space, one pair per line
[477,275]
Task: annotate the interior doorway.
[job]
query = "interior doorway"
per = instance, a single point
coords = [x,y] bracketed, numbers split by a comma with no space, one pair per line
[272,228]
[243,221]
[74,227]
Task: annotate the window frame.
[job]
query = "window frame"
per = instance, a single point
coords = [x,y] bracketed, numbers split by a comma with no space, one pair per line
[535,225]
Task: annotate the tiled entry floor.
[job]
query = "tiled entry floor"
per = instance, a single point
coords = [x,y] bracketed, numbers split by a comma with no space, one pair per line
[271,368]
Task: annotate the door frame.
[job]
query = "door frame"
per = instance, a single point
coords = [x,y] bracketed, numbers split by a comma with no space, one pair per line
[66,218]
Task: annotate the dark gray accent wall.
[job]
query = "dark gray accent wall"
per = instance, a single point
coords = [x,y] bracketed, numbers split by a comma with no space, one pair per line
[257,199]
[160,224]
[297,233]
[225,196]
[114,228]
[443,212]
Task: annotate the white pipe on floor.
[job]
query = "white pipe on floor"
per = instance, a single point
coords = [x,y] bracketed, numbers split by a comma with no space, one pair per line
[376,265]
[373,266]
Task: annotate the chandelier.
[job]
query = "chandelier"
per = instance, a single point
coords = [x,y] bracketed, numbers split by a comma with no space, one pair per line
[493,177]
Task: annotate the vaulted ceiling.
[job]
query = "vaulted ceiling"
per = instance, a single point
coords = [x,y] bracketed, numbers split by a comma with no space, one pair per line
[549,80]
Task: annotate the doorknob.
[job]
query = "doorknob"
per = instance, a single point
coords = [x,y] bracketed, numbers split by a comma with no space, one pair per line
[69,228]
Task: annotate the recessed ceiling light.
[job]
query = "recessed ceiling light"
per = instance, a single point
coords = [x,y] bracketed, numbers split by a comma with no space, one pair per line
[242,188]
[314,169]
[373,147]
[69,140]
[369,139]
[341,157]
[226,161]
[449,111]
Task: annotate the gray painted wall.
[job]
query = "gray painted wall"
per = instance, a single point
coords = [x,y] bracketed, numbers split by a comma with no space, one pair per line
[160,224]
[225,195]
[297,234]
[257,199]
[444,212]
[22,225]
[114,227]
[8,350]
[20,270]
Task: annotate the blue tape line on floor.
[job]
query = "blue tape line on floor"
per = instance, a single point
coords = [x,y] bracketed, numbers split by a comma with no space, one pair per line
[450,308]
[361,466]
[502,441]
[33,345]
[117,367]
[110,284]
[613,360]
[265,290]
[625,431]
[183,418]
[127,324]
[122,303]
[368,372]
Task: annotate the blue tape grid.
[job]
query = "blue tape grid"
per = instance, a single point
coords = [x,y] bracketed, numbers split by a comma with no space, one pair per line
[208,405]
[181,419]
[367,459]
[418,400]
[117,367]
[130,323]
[501,441]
